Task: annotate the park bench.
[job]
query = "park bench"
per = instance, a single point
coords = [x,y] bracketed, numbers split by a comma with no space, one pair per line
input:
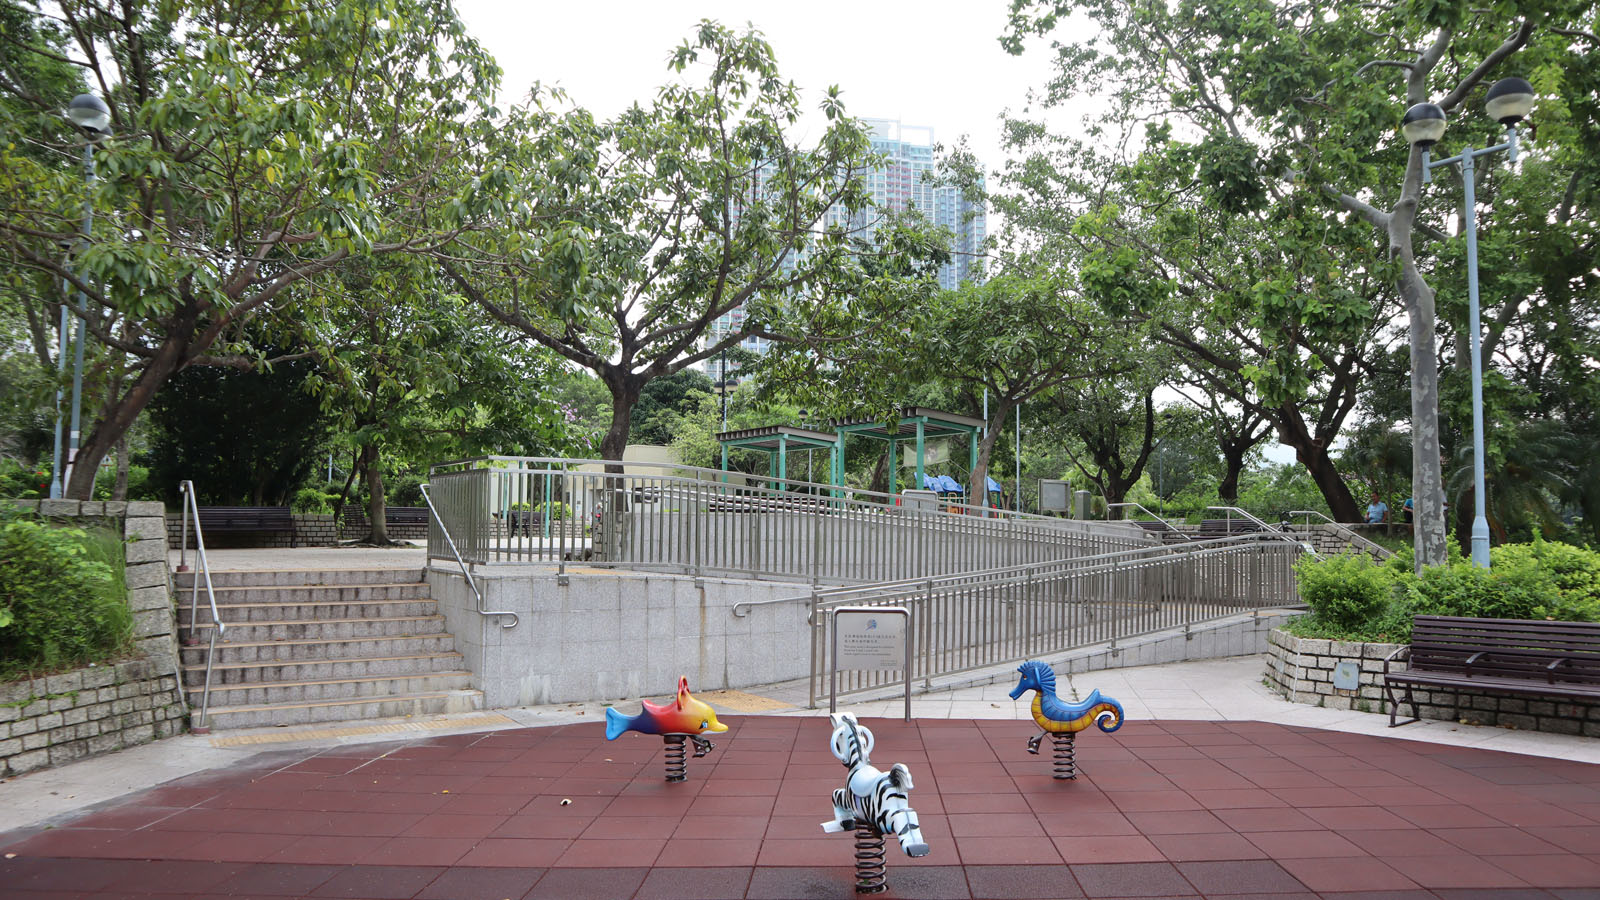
[1510,656]
[247,519]
[356,516]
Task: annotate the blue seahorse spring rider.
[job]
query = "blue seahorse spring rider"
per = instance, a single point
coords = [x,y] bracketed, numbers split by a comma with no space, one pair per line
[1060,719]
[872,803]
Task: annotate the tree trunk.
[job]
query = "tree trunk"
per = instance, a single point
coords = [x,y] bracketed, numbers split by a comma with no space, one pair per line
[1427,481]
[376,506]
[1233,461]
[119,489]
[623,397]
[167,361]
[980,472]
[1312,452]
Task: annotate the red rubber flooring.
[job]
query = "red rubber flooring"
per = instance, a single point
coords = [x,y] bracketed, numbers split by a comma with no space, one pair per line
[1161,809]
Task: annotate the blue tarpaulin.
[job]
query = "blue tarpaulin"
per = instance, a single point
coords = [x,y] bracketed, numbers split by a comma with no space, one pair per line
[944,484]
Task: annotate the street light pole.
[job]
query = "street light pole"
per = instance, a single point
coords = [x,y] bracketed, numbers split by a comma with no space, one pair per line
[1508,101]
[93,116]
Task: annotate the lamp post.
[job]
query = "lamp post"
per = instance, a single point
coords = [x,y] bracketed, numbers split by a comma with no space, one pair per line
[1508,102]
[90,114]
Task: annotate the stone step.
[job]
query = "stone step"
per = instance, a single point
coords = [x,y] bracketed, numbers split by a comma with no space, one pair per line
[232,651]
[239,614]
[266,715]
[312,691]
[321,629]
[304,593]
[194,675]
[305,577]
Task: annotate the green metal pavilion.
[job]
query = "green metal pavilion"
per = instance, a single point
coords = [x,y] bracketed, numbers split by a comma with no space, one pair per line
[777,440]
[916,423]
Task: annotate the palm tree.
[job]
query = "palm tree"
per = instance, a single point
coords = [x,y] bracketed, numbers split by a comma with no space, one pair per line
[1524,479]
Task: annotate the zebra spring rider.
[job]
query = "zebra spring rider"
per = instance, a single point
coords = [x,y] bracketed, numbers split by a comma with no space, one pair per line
[1060,719]
[872,803]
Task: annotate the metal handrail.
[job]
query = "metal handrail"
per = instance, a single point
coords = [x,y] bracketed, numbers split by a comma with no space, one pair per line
[1230,510]
[1351,534]
[190,506]
[1270,530]
[1093,562]
[445,530]
[1156,516]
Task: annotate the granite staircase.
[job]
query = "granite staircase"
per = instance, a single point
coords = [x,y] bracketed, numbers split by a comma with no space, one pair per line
[322,646]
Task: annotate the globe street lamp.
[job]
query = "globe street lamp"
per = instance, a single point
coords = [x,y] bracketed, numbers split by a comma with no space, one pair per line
[93,117]
[1508,102]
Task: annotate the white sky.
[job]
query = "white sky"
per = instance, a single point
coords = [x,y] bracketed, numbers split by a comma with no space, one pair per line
[936,63]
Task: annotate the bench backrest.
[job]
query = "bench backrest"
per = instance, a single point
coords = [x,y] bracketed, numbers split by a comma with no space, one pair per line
[392,515]
[1512,648]
[1228,526]
[246,518]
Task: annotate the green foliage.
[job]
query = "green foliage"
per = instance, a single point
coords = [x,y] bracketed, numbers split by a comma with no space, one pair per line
[62,596]
[1347,592]
[21,481]
[1352,598]
[312,499]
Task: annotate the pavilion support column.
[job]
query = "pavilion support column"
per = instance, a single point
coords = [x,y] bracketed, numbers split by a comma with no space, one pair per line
[894,463]
[783,458]
[921,447]
[972,466]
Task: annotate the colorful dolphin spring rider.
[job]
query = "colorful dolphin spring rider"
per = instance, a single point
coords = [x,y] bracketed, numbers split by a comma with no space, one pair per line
[1060,719]
[684,718]
[872,803]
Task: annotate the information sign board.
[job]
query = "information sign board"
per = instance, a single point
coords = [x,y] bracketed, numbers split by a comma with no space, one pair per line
[870,638]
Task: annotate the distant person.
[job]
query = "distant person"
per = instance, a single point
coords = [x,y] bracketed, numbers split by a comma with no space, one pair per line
[1377,511]
[1408,509]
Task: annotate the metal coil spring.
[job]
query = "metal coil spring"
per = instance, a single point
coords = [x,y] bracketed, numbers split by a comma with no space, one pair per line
[1066,756]
[869,859]
[677,768]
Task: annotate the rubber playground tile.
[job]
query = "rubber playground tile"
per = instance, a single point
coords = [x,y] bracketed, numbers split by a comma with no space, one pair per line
[1201,847]
[277,879]
[465,882]
[1131,880]
[1304,844]
[994,851]
[1022,882]
[378,882]
[1109,849]
[1461,871]
[588,884]
[1239,877]
[803,883]
[705,883]
[681,852]
[1550,870]
[1361,873]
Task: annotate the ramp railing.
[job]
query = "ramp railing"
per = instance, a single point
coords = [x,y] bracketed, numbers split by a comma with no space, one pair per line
[661,517]
[981,619]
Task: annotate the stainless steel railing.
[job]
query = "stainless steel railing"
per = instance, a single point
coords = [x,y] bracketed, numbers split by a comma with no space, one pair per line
[1140,507]
[521,510]
[435,521]
[191,510]
[983,619]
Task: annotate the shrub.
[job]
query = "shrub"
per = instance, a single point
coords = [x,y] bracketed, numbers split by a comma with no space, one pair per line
[1572,576]
[23,482]
[1347,593]
[313,500]
[63,591]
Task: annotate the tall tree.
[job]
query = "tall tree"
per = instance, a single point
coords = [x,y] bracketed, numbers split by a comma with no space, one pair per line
[256,147]
[638,234]
[1288,115]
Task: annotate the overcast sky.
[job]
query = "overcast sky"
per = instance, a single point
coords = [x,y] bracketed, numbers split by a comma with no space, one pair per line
[935,63]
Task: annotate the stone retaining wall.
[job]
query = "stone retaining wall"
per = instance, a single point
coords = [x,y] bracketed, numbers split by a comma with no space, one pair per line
[1301,669]
[58,718]
[311,530]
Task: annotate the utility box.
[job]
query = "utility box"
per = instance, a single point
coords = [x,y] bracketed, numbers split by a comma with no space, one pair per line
[1082,503]
[1053,495]
[919,501]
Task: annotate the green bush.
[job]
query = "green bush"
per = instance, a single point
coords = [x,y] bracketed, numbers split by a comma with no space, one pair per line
[23,482]
[1541,580]
[313,500]
[63,591]
[1348,593]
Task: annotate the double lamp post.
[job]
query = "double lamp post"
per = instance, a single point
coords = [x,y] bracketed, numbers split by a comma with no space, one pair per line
[1509,101]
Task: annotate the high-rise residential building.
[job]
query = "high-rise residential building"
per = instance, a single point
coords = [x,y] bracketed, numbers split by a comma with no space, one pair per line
[903,181]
